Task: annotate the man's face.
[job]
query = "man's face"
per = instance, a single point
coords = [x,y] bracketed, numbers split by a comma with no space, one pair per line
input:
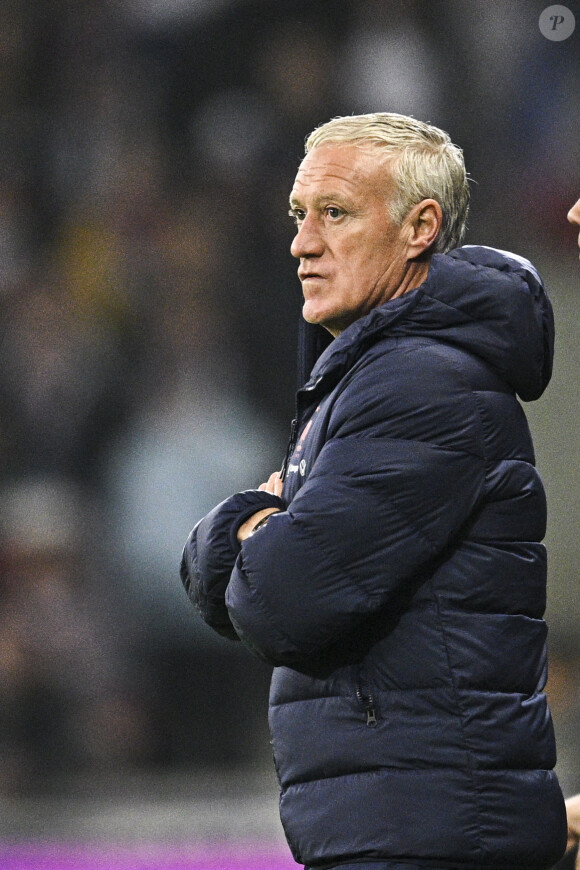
[352,255]
[574,217]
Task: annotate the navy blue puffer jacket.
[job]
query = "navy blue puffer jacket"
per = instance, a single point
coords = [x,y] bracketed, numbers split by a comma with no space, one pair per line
[400,590]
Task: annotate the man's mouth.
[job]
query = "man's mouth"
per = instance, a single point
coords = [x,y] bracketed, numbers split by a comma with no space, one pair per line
[304,276]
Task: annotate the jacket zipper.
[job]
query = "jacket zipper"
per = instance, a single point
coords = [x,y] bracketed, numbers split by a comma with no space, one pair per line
[294,426]
[290,448]
[367,702]
[369,706]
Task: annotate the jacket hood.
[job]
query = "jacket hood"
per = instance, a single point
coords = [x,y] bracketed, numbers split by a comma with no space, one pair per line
[488,302]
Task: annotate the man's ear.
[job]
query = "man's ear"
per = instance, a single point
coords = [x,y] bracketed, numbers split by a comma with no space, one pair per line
[424,224]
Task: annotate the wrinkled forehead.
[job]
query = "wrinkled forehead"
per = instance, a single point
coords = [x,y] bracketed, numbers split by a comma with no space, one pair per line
[348,168]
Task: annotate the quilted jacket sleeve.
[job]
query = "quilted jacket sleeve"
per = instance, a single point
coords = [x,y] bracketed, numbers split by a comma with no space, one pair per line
[400,475]
[211,550]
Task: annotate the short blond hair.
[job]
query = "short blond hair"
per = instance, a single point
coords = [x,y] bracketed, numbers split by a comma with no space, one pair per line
[425,165]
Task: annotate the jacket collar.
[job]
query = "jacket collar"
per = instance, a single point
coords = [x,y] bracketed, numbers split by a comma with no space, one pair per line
[488,302]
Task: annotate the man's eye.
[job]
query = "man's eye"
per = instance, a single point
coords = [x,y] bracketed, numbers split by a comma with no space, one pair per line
[333,212]
[296,214]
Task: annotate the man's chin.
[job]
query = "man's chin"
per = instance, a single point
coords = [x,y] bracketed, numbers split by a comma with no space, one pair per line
[313,315]
[324,318]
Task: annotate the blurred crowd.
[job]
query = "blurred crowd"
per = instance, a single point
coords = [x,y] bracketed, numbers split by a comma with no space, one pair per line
[149,309]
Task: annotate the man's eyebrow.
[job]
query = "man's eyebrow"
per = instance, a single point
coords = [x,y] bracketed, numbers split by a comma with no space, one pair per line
[321,198]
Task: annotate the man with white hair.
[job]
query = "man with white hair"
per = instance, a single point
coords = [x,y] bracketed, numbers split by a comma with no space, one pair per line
[393,572]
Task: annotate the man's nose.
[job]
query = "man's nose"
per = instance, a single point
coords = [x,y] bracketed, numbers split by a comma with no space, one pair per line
[574,214]
[308,241]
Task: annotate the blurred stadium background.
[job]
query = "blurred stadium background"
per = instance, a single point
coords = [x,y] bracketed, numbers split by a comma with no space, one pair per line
[148,318]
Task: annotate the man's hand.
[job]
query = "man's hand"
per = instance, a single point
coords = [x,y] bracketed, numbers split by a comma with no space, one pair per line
[274,486]
[573,815]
